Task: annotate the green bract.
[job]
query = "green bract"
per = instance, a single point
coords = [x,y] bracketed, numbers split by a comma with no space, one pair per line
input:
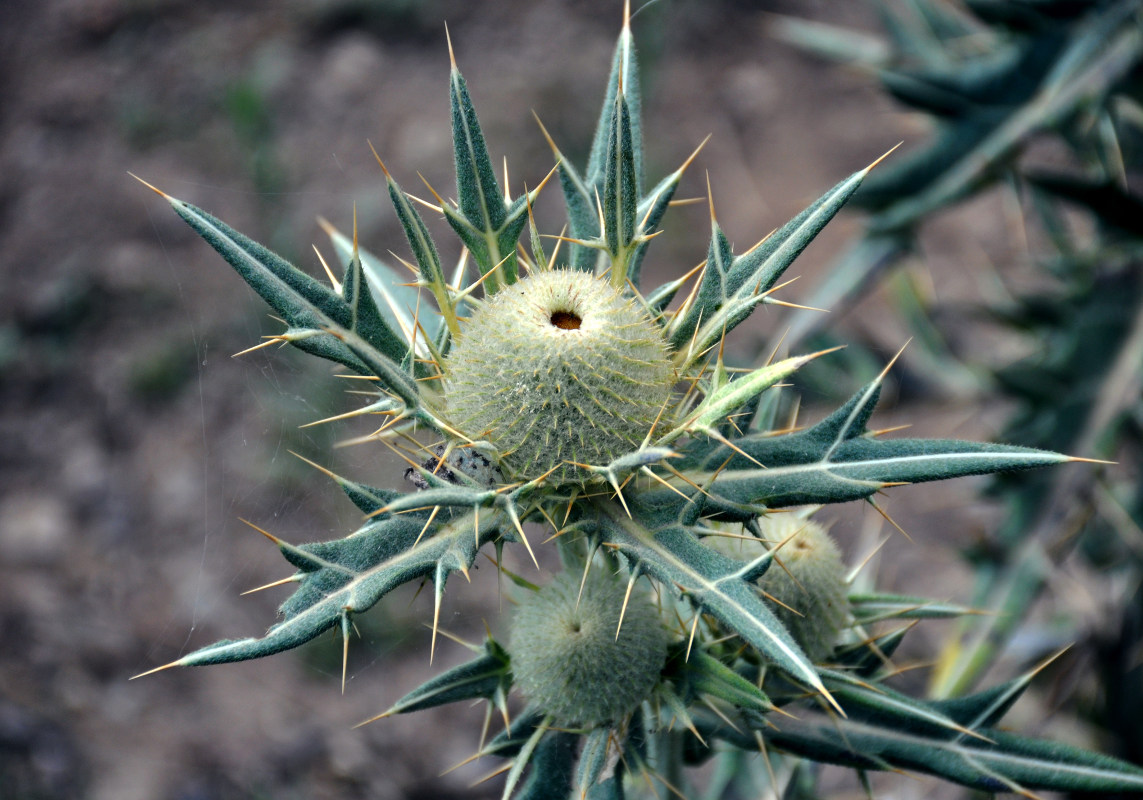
[620,433]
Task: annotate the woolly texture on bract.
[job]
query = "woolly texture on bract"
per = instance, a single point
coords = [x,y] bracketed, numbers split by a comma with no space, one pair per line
[812,583]
[567,660]
[558,368]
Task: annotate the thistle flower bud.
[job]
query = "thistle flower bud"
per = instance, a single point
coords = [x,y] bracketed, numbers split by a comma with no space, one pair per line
[810,580]
[567,659]
[555,369]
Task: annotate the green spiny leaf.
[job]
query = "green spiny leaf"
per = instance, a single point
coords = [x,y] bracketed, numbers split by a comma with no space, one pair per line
[713,582]
[723,401]
[835,461]
[592,760]
[881,705]
[985,709]
[552,768]
[869,608]
[478,192]
[481,677]
[424,251]
[301,300]
[508,743]
[868,657]
[444,494]
[366,319]
[622,82]
[321,322]
[488,225]
[732,287]
[395,301]
[650,212]
[1102,51]
[706,675]
[583,218]
[348,576]
[998,762]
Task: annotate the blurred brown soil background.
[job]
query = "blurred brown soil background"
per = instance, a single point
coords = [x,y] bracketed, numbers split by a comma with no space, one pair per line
[131,443]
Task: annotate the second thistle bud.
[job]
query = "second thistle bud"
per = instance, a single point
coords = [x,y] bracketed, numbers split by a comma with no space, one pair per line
[809,583]
[573,660]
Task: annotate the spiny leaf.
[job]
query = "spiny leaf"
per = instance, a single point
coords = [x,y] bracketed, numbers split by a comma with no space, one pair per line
[876,607]
[733,286]
[581,190]
[1100,52]
[997,762]
[348,576]
[984,709]
[592,760]
[713,582]
[706,675]
[835,461]
[394,301]
[650,212]
[620,194]
[302,300]
[583,219]
[424,251]
[882,705]
[508,743]
[486,222]
[478,192]
[1005,77]
[321,322]
[445,494]
[733,395]
[622,81]
[867,658]
[369,499]
[366,319]
[481,677]
[552,768]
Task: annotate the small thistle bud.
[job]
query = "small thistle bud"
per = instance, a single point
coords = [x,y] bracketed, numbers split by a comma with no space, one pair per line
[558,368]
[812,583]
[567,659]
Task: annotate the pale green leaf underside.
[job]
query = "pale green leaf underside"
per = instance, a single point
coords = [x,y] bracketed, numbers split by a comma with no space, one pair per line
[398,303]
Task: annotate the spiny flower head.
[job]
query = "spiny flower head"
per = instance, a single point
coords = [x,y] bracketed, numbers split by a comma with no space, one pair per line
[556,370]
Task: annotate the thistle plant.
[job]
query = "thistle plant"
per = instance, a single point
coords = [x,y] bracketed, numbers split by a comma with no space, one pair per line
[548,399]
